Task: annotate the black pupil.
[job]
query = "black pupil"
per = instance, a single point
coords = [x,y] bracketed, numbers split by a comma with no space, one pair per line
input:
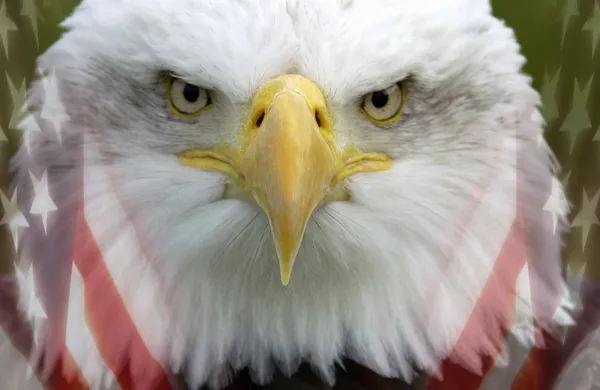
[191,93]
[379,99]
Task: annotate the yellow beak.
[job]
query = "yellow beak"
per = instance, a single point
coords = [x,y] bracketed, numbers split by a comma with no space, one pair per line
[289,166]
[288,163]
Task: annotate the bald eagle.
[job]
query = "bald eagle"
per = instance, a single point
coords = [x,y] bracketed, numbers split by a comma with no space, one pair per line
[318,186]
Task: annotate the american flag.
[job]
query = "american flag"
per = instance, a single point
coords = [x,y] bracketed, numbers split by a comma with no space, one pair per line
[83,263]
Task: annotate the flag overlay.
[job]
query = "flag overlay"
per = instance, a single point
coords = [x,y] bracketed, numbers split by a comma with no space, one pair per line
[68,248]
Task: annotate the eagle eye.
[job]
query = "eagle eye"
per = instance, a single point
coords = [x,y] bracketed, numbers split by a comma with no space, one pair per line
[186,99]
[384,106]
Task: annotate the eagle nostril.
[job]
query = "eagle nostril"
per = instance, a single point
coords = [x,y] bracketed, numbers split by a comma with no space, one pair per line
[318,119]
[259,119]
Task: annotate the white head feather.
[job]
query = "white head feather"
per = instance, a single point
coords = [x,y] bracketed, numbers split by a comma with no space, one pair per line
[388,278]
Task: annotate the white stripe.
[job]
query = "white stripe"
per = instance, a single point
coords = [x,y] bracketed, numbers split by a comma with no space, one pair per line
[79,340]
[496,222]
[15,371]
[134,277]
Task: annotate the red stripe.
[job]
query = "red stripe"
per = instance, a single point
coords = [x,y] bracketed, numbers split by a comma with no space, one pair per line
[57,380]
[19,332]
[108,319]
[511,261]
[460,235]
[543,365]
[538,372]
[457,377]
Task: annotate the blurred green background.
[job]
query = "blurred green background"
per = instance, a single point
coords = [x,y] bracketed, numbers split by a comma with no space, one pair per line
[560,39]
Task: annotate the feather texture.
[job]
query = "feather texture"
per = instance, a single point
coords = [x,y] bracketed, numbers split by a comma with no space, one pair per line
[388,279]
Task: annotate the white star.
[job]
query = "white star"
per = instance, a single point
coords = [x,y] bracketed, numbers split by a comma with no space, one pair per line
[570,9]
[549,94]
[540,139]
[42,203]
[583,268]
[587,216]
[19,97]
[503,358]
[565,180]
[6,25]
[12,216]
[30,11]
[33,308]
[593,25]
[53,109]
[30,126]
[578,119]
[576,262]
[555,203]
[3,137]
[30,303]
[540,136]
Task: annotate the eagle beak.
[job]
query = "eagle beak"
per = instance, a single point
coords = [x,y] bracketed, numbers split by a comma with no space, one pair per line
[289,161]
